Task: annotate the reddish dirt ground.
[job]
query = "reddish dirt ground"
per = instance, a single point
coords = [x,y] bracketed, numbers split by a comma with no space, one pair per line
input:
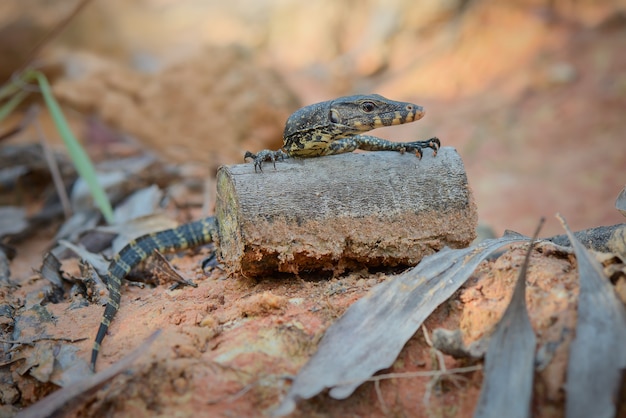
[533,100]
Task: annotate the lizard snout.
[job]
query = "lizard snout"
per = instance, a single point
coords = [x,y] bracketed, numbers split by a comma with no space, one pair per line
[414,112]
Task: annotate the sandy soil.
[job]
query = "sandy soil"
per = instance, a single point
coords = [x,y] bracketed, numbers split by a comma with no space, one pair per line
[531,97]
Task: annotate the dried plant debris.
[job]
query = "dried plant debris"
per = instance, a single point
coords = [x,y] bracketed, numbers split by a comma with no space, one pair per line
[94,264]
[82,229]
[6,255]
[164,271]
[115,183]
[362,341]
[509,362]
[25,165]
[53,361]
[87,287]
[372,332]
[96,260]
[7,314]
[32,320]
[127,231]
[25,176]
[94,288]
[119,185]
[135,216]
[51,271]
[143,202]
[620,203]
[451,342]
[121,178]
[136,227]
[597,356]
[62,401]
[78,224]
[12,220]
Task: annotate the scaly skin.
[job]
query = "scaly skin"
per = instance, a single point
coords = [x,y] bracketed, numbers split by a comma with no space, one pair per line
[326,128]
[335,127]
[185,236]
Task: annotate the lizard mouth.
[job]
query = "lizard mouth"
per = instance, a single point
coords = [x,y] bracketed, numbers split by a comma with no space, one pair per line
[412,114]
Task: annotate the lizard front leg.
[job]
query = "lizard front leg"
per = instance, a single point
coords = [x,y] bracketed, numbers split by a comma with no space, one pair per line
[372,143]
[266,155]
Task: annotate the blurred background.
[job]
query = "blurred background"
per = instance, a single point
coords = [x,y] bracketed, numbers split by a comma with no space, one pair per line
[532,93]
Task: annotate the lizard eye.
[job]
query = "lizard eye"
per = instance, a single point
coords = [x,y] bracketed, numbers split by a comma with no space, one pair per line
[333,115]
[368,107]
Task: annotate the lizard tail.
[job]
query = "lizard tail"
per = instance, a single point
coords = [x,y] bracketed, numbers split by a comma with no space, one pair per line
[185,236]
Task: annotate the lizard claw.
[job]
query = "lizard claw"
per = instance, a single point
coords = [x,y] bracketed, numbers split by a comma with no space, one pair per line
[265,155]
[434,144]
[417,146]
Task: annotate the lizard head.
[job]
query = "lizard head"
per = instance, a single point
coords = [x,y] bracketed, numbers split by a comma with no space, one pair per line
[361,113]
[321,123]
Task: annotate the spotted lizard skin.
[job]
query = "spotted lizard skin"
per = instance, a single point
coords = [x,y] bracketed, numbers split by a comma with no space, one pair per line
[336,127]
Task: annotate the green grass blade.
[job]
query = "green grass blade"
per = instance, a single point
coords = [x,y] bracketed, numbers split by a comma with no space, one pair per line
[77,153]
[11,104]
[9,89]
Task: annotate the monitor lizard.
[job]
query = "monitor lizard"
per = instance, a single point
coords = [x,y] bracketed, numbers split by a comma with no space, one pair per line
[326,128]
